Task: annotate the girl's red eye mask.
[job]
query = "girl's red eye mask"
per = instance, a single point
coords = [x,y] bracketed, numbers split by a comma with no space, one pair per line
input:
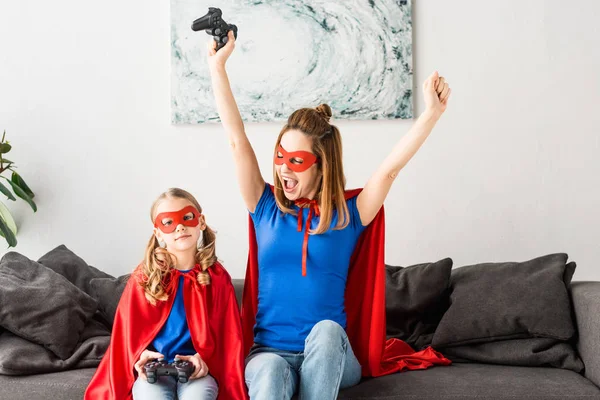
[172,219]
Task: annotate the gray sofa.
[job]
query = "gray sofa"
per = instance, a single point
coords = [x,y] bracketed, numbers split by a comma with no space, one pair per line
[458,381]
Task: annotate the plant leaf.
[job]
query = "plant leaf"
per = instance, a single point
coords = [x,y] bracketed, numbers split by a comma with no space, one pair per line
[8,219]
[7,192]
[6,160]
[8,228]
[16,178]
[6,233]
[21,193]
[5,148]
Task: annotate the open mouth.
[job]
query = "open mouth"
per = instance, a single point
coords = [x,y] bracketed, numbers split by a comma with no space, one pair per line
[289,184]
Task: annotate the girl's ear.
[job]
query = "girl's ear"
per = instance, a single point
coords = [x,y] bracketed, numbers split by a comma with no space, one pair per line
[157,234]
[202,222]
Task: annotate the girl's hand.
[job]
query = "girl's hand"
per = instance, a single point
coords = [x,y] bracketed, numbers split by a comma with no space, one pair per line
[200,367]
[436,92]
[219,58]
[146,356]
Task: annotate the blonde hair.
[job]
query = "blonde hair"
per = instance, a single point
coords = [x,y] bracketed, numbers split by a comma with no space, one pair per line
[327,146]
[158,262]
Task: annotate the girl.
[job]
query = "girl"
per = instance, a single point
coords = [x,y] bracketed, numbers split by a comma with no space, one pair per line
[178,303]
[313,309]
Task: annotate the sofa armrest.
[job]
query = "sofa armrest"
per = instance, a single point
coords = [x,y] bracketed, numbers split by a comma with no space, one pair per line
[586,304]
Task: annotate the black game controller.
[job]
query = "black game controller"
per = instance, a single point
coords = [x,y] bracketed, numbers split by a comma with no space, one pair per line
[182,370]
[214,25]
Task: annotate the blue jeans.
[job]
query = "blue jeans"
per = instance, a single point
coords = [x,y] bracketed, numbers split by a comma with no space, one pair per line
[166,387]
[327,365]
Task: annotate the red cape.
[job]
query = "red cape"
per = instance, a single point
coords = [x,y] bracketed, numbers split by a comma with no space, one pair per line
[214,323]
[365,306]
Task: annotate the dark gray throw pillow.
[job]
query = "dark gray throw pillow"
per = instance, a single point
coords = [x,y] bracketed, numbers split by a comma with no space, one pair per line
[22,357]
[66,263]
[510,300]
[531,352]
[42,306]
[108,291]
[416,299]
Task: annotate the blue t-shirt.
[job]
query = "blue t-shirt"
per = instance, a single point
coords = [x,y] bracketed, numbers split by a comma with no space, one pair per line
[289,304]
[174,337]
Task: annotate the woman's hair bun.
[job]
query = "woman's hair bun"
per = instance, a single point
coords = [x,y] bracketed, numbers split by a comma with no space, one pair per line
[325,111]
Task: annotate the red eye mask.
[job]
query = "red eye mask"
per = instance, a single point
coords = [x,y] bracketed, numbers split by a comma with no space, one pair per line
[297,161]
[174,218]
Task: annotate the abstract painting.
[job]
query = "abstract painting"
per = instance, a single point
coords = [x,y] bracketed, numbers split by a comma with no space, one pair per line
[355,55]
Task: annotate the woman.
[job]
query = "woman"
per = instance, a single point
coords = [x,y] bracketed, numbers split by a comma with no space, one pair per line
[314,306]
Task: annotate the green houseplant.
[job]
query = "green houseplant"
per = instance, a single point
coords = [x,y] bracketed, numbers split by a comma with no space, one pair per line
[8,227]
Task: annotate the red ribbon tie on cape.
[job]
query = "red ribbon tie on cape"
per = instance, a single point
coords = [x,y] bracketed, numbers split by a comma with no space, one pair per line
[313,209]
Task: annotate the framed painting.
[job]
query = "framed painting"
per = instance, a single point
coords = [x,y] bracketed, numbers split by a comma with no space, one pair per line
[355,55]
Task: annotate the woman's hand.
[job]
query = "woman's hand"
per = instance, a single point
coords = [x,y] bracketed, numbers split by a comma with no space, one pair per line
[200,367]
[436,92]
[146,356]
[219,58]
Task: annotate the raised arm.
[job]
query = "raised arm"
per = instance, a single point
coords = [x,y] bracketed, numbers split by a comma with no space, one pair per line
[250,180]
[370,200]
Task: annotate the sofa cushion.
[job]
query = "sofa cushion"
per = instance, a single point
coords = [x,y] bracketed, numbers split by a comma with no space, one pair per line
[455,382]
[66,263]
[510,300]
[107,292]
[416,299]
[42,306]
[66,385]
[476,382]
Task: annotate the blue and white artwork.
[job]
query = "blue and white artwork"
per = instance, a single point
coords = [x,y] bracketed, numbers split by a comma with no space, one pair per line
[355,55]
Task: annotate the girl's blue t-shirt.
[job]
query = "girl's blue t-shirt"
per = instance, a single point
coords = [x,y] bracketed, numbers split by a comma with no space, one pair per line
[289,304]
[174,337]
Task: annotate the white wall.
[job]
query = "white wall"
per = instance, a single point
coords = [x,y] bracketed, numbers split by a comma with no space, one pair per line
[510,173]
